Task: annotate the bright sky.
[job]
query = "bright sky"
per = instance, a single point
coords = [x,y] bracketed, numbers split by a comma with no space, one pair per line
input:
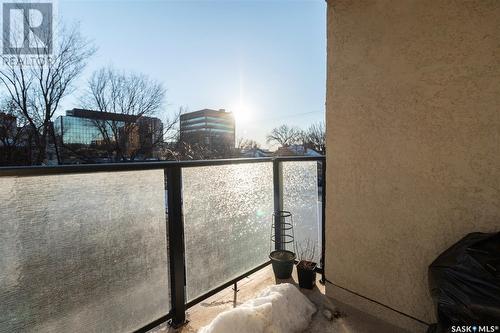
[264,60]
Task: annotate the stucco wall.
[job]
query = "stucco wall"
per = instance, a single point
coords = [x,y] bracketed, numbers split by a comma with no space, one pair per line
[413,140]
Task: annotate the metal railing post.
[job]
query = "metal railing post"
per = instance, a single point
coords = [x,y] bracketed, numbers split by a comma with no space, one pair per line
[278,200]
[323,219]
[176,249]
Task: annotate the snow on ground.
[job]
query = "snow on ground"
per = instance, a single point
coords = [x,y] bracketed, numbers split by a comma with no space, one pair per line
[279,308]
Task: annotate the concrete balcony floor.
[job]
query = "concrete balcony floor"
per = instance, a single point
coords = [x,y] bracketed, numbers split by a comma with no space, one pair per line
[346,319]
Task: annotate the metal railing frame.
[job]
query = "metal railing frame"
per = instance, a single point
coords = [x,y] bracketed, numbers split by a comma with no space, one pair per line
[175,221]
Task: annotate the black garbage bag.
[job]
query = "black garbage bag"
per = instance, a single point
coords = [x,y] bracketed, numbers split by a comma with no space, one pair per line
[464,282]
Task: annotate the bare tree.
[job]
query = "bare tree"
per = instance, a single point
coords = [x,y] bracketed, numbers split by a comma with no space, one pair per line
[196,151]
[315,137]
[13,151]
[37,83]
[284,135]
[243,143]
[306,252]
[134,95]
[196,148]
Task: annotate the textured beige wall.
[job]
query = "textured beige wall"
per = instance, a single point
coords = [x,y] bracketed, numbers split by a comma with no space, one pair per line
[413,123]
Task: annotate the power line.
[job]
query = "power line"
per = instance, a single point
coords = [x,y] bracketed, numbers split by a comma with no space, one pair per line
[282,117]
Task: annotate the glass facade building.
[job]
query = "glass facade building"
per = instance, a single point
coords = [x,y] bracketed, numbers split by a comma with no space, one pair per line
[84,131]
[87,127]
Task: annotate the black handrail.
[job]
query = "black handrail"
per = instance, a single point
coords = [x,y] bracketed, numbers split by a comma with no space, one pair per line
[38,170]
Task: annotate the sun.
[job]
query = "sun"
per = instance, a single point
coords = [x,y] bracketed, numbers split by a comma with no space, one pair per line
[242,114]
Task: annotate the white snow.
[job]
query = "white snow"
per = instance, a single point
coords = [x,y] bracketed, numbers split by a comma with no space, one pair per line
[279,308]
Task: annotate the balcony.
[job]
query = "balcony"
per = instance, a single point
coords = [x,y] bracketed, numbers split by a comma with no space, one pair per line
[413,166]
[126,247]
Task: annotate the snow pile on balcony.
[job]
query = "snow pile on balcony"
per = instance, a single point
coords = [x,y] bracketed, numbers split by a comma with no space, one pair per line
[278,309]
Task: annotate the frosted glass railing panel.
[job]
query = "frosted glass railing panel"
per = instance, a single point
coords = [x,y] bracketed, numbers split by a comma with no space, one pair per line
[227,216]
[302,199]
[82,252]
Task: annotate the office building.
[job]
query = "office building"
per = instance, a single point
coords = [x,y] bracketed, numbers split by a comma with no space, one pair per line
[214,129]
[87,127]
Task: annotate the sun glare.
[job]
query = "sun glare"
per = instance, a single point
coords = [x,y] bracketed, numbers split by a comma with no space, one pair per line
[242,114]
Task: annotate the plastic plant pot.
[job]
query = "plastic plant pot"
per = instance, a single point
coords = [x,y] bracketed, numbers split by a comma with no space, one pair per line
[282,261]
[306,274]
